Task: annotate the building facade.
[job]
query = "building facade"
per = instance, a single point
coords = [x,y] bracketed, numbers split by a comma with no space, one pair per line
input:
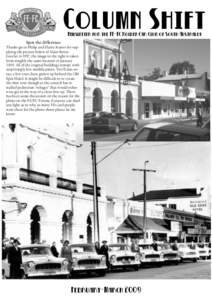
[108,86]
[42,198]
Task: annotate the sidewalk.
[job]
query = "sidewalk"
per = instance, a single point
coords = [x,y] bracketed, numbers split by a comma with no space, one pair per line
[176,119]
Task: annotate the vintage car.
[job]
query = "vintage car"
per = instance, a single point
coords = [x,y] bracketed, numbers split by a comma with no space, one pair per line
[165,131]
[169,255]
[149,256]
[86,260]
[114,122]
[186,253]
[120,256]
[38,261]
[202,250]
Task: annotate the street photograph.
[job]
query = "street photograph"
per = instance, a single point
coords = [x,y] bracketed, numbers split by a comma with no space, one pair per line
[147,90]
[112,210]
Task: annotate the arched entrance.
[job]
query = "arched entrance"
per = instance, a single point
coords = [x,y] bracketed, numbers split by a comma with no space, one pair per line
[114,101]
[129,104]
[37,214]
[89,229]
[3,234]
[67,225]
[97,100]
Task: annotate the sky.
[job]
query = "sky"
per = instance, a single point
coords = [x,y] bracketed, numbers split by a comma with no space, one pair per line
[149,54]
[177,165]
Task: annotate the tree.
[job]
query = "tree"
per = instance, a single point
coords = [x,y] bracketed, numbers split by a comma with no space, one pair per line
[181,67]
[156,73]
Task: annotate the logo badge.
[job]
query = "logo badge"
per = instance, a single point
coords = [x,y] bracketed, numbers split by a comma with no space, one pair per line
[30,22]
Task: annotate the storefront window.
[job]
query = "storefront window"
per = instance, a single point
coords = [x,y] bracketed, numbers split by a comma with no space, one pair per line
[156,108]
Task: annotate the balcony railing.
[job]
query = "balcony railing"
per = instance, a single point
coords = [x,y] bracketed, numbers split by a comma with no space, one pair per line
[34,177]
[88,189]
[66,184]
[95,71]
[3,173]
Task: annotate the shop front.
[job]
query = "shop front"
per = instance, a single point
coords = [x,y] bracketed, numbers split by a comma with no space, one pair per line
[132,228]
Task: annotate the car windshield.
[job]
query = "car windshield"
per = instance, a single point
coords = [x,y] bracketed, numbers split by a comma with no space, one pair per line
[143,135]
[146,247]
[82,248]
[164,247]
[183,246]
[36,251]
[118,247]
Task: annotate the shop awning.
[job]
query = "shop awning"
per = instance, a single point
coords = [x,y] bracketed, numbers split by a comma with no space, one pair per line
[134,224]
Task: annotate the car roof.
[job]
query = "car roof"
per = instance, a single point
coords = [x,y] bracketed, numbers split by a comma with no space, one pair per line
[117,245]
[80,245]
[34,246]
[178,128]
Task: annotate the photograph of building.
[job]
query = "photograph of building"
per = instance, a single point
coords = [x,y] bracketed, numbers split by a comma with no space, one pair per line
[117,80]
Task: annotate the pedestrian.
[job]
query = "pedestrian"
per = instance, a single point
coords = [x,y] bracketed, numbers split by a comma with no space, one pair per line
[175,246]
[54,250]
[5,247]
[67,253]
[199,118]
[97,247]
[15,260]
[134,246]
[155,246]
[104,251]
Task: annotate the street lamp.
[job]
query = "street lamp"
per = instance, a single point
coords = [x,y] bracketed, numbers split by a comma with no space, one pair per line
[119,69]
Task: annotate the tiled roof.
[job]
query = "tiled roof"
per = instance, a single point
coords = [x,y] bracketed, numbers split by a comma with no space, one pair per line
[165,194]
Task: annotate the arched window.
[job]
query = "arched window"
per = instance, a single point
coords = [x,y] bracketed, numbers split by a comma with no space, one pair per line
[30,151]
[97,100]
[129,104]
[59,166]
[114,101]
[38,214]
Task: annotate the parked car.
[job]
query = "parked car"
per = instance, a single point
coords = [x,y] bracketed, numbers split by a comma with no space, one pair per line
[86,260]
[38,261]
[202,250]
[91,117]
[186,253]
[120,256]
[114,122]
[149,256]
[169,255]
[164,131]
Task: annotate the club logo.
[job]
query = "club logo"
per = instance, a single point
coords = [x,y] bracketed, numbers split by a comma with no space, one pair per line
[30,22]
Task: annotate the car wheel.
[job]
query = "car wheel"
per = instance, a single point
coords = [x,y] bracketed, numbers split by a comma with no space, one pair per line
[136,268]
[101,273]
[117,129]
[194,259]
[3,276]
[135,127]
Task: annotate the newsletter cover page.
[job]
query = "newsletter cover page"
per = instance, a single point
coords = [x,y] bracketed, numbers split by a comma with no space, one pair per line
[105,149]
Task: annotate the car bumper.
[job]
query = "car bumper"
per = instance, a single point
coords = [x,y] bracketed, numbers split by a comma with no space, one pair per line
[152,260]
[48,273]
[88,268]
[124,264]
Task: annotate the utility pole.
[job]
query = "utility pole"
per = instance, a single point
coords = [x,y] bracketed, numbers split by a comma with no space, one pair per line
[145,170]
[95,193]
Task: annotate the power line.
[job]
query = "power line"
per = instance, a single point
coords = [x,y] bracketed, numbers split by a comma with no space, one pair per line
[110,153]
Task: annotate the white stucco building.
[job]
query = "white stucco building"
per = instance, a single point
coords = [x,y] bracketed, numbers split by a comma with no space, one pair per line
[41,196]
[103,79]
